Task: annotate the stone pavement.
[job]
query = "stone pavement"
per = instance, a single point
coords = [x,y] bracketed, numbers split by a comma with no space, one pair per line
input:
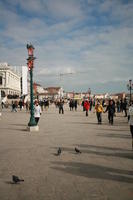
[103,171]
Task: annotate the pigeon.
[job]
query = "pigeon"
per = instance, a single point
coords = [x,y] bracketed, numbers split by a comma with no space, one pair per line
[59,151]
[16,179]
[77,150]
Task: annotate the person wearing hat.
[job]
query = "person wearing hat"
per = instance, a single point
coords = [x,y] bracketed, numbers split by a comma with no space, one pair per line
[37,111]
[99,110]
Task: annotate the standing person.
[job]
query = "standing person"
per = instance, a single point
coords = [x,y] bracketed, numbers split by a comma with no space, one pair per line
[103,102]
[99,110]
[83,105]
[75,105]
[70,104]
[131,121]
[91,103]
[61,109]
[16,105]
[14,108]
[27,106]
[111,110]
[125,107]
[121,105]
[2,104]
[37,111]
[118,106]
[41,104]
[20,104]
[86,106]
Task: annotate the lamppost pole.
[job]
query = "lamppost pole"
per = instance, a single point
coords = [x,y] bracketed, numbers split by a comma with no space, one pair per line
[130,82]
[30,64]
[32,121]
[130,88]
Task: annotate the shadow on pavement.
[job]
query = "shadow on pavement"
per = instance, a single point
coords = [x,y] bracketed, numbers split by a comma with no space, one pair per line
[106,151]
[116,135]
[94,171]
[10,182]
[110,129]
[101,147]
[18,124]
[92,123]
[14,129]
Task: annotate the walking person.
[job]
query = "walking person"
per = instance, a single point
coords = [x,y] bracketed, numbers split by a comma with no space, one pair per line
[61,109]
[37,111]
[86,106]
[71,104]
[131,121]
[111,111]
[99,110]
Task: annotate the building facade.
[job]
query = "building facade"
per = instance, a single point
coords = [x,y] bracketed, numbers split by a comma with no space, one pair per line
[9,81]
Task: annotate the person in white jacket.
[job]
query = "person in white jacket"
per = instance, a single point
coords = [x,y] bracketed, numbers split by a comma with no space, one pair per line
[131,121]
[37,112]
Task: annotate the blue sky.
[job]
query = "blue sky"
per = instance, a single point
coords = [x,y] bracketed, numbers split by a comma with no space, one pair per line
[93,39]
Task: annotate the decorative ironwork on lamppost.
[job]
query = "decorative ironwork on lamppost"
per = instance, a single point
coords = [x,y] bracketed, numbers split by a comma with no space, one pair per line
[130,88]
[30,64]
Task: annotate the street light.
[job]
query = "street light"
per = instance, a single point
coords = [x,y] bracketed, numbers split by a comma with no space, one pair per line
[30,64]
[1,75]
[130,88]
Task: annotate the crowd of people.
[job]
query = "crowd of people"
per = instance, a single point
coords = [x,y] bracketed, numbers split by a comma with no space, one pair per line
[98,106]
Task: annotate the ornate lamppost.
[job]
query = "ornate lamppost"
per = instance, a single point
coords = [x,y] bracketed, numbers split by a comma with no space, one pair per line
[30,64]
[130,88]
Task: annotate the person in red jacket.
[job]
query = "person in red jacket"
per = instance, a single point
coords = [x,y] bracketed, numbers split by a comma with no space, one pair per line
[86,106]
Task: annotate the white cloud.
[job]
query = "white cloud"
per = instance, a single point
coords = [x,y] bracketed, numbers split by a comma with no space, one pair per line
[72,42]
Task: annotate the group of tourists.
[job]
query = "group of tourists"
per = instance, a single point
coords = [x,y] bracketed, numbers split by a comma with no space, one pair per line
[100,106]
[121,106]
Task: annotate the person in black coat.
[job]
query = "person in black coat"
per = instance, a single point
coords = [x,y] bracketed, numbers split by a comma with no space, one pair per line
[75,105]
[111,111]
[125,107]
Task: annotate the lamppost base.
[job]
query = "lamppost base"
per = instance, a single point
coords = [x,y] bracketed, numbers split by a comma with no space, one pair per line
[32,121]
[33,128]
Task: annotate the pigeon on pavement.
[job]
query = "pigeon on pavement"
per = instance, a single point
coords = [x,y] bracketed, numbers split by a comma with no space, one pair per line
[59,151]
[77,150]
[16,179]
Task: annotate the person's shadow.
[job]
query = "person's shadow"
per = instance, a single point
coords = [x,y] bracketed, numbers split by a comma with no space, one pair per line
[94,171]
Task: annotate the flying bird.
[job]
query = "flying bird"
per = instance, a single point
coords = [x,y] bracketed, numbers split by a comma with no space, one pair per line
[16,179]
[59,151]
[77,150]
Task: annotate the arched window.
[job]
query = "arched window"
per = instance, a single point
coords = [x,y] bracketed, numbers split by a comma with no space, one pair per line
[3,94]
[0,80]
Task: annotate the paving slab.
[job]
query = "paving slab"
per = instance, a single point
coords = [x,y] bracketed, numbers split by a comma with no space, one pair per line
[103,171]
